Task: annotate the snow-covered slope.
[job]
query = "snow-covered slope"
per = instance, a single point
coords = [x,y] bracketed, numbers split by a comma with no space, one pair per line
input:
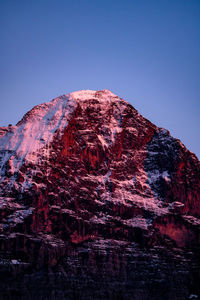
[36,130]
[38,127]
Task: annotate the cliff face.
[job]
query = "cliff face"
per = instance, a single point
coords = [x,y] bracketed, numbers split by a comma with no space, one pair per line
[94,195]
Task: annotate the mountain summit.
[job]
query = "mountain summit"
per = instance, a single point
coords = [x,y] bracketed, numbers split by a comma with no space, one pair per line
[93,194]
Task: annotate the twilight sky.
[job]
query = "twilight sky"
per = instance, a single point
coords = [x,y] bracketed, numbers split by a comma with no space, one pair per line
[147,52]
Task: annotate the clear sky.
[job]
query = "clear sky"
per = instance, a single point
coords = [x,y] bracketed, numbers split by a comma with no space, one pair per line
[145,51]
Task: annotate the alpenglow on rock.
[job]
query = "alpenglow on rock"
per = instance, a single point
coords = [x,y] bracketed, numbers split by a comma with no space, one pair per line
[96,202]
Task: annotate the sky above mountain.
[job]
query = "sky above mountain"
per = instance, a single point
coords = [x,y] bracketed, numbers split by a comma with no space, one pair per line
[147,52]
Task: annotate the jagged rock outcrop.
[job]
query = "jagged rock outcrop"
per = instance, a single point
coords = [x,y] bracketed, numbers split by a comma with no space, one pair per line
[96,202]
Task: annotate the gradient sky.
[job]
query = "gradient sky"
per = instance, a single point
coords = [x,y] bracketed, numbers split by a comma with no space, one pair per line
[147,52]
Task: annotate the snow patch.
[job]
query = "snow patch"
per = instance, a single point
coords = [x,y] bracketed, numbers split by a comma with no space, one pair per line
[154,175]
[35,132]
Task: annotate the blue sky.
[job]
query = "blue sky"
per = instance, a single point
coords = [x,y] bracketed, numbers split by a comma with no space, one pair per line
[147,52]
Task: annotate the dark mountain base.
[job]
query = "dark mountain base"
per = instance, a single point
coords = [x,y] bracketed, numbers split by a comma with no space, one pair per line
[105,269]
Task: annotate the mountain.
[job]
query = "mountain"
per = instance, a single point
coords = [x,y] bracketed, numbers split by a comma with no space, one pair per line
[96,202]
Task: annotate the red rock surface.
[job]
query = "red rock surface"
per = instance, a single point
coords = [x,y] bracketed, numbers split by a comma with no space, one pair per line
[86,173]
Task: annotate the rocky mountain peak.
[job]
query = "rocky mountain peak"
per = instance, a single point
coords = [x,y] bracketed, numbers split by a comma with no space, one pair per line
[86,173]
[89,94]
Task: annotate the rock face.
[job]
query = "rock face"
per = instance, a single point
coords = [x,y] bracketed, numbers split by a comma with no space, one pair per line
[96,202]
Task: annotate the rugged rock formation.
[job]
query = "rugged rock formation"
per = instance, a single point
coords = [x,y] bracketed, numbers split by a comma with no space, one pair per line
[96,202]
